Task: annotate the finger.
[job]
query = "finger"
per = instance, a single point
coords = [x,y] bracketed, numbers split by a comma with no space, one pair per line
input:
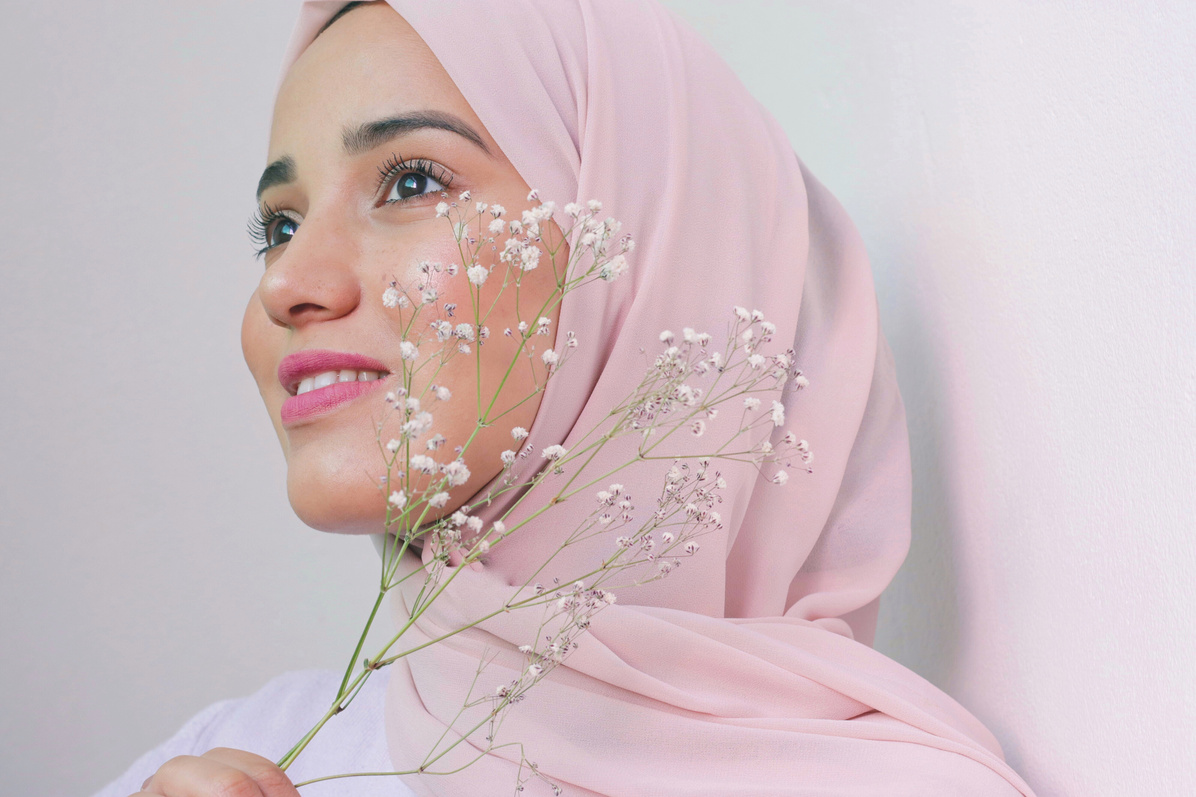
[193,776]
[272,781]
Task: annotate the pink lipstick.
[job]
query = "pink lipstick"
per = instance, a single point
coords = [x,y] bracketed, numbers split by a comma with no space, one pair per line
[320,380]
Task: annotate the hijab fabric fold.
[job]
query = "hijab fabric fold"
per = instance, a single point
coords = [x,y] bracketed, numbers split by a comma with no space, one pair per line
[748,670]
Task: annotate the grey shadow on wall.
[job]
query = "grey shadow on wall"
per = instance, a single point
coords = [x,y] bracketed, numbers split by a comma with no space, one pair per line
[919,613]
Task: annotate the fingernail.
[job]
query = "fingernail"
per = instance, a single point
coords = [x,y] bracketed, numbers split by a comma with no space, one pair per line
[475,566]
[146,783]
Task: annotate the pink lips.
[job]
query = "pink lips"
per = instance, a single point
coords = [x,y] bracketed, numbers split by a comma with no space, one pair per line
[300,365]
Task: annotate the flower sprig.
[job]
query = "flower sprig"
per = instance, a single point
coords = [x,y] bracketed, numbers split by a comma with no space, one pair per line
[703,399]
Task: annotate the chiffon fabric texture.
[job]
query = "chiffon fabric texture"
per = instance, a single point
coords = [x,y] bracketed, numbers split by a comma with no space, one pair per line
[749,669]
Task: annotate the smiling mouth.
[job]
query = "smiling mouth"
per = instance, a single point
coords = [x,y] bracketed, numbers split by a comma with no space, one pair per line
[319,395]
[323,380]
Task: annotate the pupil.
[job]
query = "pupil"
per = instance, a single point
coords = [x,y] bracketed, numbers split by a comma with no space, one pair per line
[283,231]
[412,185]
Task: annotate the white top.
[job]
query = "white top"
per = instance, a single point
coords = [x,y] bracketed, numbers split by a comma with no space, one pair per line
[271,720]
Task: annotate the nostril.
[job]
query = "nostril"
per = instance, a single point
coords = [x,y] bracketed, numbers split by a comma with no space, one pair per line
[305,307]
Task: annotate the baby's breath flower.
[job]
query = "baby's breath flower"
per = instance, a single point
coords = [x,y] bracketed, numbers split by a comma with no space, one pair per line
[435,442]
[497,210]
[419,424]
[751,403]
[442,209]
[464,332]
[594,205]
[519,433]
[458,518]
[407,350]
[755,361]
[691,547]
[778,413]
[573,209]
[463,196]
[697,428]
[496,226]
[789,439]
[668,537]
[442,392]
[438,500]
[500,528]
[507,457]
[550,358]
[554,452]
[480,207]
[742,314]
[394,445]
[423,463]
[390,297]
[616,488]
[800,380]
[398,499]
[455,472]
[474,523]
[529,258]
[477,274]
[429,295]
[666,337]
[533,195]
[780,477]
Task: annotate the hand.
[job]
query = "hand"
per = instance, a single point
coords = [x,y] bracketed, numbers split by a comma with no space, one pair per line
[220,772]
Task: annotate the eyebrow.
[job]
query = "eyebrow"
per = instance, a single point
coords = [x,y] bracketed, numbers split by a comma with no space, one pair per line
[366,136]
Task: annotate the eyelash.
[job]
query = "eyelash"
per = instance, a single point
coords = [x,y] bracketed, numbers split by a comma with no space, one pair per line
[395,166]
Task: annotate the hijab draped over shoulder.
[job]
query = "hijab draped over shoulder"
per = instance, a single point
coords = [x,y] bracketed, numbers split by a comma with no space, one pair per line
[748,670]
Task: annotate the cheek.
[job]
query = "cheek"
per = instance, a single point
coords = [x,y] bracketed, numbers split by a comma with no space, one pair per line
[261,343]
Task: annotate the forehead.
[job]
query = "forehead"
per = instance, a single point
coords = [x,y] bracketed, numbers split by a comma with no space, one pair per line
[369,64]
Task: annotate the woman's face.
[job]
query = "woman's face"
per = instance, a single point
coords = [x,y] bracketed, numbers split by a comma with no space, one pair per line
[368,100]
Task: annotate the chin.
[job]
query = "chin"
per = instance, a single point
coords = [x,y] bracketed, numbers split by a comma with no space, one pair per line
[335,497]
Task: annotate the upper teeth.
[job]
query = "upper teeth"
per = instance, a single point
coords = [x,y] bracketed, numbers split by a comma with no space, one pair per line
[328,377]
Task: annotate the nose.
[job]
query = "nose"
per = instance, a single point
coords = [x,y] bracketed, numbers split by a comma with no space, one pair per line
[314,278]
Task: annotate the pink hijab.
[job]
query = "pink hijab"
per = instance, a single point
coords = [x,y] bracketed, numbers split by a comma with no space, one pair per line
[748,670]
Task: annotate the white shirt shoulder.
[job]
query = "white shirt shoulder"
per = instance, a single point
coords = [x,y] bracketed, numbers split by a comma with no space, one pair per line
[271,720]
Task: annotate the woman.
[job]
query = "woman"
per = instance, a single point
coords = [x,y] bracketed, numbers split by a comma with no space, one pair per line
[748,670]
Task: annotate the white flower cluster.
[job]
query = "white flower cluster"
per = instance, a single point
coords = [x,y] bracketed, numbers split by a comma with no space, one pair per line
[703,399]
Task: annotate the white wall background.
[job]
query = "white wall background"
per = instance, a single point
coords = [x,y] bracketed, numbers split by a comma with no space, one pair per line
[1021,172]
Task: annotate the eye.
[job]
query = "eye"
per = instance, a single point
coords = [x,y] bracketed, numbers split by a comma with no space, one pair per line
[270,227]
[412,179]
